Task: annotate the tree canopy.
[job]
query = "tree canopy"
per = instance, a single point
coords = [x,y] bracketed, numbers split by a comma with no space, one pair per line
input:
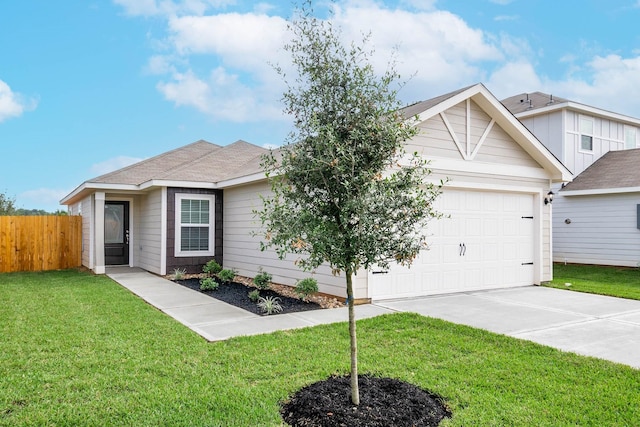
[344,191]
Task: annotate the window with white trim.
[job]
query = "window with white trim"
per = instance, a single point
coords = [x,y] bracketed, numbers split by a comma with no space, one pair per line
[629,137]
[586,133]
[194,225]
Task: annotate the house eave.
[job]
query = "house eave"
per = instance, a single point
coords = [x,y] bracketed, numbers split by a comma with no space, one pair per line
[600,191]
[523,136]
[580,108]
[88,188]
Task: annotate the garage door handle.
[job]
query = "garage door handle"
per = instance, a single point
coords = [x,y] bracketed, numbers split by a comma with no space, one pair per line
[463,249]
[379,272]
[527,263]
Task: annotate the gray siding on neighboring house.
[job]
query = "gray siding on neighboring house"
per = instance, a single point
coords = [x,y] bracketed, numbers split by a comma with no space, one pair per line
[602,230]
[548,128]
[608,135]
[242,249]
[193,264]
[147,228]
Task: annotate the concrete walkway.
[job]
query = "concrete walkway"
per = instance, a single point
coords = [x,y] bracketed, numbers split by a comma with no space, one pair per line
[216,320]
[592,325]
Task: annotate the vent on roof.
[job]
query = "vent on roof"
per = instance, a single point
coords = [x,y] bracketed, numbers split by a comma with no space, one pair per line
[551,101]
[528,101]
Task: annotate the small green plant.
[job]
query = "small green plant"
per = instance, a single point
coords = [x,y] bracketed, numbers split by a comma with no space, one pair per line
[306,287]
[209,284]
[269,305]
[254,295]
[212,267]
[226,275]
[178,273]
[262,280]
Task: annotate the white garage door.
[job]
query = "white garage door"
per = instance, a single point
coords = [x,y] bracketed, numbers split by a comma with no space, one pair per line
[487,242]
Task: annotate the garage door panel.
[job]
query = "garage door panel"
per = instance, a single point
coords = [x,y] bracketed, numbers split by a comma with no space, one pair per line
[482,245]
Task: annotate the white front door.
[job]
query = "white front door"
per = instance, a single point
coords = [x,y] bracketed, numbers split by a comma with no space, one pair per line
[486,242]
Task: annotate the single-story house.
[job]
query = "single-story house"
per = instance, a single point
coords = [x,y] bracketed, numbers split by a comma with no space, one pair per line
[195,203]
[599,219]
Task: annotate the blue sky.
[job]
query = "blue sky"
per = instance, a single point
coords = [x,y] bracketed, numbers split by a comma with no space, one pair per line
[90,86]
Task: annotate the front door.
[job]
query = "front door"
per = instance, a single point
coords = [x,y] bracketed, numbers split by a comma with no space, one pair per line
[116,233]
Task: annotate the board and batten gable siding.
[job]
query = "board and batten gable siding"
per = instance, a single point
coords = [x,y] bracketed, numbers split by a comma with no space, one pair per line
[435,140]
[608,135]
[548,128]
[147,231]
[242,248]
[602,230]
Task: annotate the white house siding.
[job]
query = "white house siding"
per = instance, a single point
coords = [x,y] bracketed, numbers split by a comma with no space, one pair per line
[602,229]
[147,239]
[242,249]
[86,210]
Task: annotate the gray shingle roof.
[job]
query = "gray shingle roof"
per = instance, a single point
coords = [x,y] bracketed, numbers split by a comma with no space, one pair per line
[616,169]
[200,161]
[419,107]
[531,101]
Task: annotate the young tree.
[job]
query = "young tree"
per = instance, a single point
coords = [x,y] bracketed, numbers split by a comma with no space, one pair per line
[7,205]
[343,190]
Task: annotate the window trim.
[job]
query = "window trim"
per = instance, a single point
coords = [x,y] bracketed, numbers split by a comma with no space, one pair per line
[628,130]
[178,224]
[587,134]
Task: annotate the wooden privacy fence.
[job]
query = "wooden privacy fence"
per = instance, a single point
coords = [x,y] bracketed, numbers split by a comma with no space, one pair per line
[38,243]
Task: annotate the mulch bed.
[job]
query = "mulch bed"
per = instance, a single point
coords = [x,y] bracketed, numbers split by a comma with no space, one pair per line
[237,294]
[383,402]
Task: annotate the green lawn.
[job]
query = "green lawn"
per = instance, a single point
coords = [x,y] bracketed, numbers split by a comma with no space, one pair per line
[77,349]
[621,282]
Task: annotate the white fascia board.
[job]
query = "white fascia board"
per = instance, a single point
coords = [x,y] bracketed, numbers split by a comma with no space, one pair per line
[471,185]
[600,191]
[169,183]
[582,109]
[97,186]
[445,105]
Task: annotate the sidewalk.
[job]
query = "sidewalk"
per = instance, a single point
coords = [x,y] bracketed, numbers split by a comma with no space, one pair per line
[216,320]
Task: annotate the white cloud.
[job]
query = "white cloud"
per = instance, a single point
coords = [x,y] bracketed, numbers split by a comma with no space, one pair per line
[41,198]
[113,164]
[612,83]
[13,104]
[514,78]
[222,96]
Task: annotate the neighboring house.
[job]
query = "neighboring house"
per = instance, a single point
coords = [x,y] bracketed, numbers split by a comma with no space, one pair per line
[599,218]
[197,202]
[579,135]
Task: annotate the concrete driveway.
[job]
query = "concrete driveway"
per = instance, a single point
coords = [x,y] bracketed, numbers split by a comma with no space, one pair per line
[592,325]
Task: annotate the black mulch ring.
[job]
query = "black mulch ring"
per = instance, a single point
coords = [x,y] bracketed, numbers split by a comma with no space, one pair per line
[383,402]
[237,294]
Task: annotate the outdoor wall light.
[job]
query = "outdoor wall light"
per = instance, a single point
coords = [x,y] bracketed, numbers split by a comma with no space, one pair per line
[549,199]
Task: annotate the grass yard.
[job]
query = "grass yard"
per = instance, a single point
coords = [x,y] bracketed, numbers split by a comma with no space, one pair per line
[623,282]
[77,349]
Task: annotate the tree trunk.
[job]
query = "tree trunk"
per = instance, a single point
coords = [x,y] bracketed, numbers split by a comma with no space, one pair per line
[355,390]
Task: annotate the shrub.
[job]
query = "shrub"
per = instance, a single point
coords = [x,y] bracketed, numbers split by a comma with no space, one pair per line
[254,295]
[178,273]
[212,267]
[209,284]
[270,305]
[226,275]
[306,287]
[262,280]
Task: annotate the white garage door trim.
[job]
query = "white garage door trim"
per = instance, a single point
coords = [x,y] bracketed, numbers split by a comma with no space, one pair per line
[490,241]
